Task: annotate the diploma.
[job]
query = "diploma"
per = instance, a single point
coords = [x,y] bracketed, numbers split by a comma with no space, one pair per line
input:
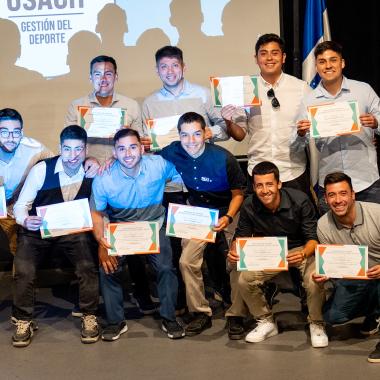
[191,222]
[3,203]
[65,218]
[262,254]
[101,122]
[163,131]
[239,91]
[342,261]
[334,119]
[133,238]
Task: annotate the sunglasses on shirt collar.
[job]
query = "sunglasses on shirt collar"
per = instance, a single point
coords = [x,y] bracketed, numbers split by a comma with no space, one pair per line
[275,102]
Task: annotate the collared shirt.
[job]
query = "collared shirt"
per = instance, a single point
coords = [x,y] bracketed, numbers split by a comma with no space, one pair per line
[193,98]
[126,198]
[353,154]
[13,173]
[270,129]
[295,218]
[34,181]
[365,230]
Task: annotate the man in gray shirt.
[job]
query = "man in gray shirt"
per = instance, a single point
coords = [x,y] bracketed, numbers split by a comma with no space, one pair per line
[352,222]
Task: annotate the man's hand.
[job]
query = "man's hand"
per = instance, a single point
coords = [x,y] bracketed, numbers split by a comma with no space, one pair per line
[91,167]
[208,133]
[106,166]
[294,258]
[146,141]
[223,222]
[33,223]
[317,278]
[232,256]
[227,112]
[303,126]
[109,263]
[368,120]
[374,272]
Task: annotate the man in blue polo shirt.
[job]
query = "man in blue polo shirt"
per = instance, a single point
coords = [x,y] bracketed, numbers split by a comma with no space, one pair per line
[213,179]
[132,191]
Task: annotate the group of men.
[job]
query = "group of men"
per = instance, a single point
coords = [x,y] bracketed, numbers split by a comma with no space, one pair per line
[137,184]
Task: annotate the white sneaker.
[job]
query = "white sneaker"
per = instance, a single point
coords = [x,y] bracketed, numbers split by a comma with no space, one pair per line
[265,329]
[318,335]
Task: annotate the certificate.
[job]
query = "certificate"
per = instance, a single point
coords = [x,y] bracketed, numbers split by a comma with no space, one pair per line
[334,119]
[262,254]
[163,131]
[3,203]
[342,261]
[102,122]
[133,238]
[65,218]
[191,222]
[239,91]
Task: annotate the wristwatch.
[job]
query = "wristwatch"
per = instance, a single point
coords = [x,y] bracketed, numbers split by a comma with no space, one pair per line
[230,218]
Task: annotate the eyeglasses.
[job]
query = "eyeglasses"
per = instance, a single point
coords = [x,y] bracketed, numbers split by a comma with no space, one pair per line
[5,133]
[275,102]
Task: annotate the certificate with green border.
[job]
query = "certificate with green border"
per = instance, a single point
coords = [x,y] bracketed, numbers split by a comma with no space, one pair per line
[3,203]
[191,222]
[101,122]
[133,238]
[262,254]
[163,131]
[334,119]
[342,261]
[239,91]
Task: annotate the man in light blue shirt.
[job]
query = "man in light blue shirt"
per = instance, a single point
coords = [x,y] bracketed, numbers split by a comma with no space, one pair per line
[133,191]
[353,154]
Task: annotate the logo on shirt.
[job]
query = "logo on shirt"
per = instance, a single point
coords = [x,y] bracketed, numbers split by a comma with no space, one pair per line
[205,179]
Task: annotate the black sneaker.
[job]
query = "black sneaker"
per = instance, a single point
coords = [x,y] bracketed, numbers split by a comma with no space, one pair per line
[235,328]
[374,356]
[90,329]
[200,323]
[173,329]
[23,334]
[113,332]
[75,312]
[370,326]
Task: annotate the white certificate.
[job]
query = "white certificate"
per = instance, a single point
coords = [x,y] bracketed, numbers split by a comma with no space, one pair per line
[102,122]
[262,254]
[65,218]
[163,131]
[334,119]
[239,91]
[3,203]
[133,238]
[191,222]
[342,261]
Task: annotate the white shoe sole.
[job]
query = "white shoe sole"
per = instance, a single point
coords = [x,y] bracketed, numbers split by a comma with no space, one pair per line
[262,338]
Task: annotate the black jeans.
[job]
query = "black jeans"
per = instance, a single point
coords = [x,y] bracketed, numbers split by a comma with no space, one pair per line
[31,249]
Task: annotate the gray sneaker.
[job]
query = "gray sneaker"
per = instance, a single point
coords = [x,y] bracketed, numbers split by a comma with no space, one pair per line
[24,332]
[90,329]
[113,332]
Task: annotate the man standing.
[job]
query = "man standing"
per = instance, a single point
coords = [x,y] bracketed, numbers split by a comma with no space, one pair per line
[352,222]
[353,154]
[213,179]
[103,76]
[275,211]
[54,180]
[132,191]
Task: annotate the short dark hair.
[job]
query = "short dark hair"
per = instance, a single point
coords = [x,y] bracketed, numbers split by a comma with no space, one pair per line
[269,37]
[169,52]
[73,132]
[337,177]
[191,117]
[124,133]
[103,58]
[11,114]
[328,45]
[265,167]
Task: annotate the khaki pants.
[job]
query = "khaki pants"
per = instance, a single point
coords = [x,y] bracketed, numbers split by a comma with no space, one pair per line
[249,294]
[9,226]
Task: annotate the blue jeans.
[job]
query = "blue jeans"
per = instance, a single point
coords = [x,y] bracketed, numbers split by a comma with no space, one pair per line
[112,290]
[352,299]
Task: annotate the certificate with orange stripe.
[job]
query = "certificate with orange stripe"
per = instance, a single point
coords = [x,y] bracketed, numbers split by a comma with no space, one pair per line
[3,203]
[163,131]
[262,254]
[191,222]
[133,238]
[341,261]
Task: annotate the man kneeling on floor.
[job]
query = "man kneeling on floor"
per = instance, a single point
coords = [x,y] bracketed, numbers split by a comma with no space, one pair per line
[274,211]
[54,180]
[354,223]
